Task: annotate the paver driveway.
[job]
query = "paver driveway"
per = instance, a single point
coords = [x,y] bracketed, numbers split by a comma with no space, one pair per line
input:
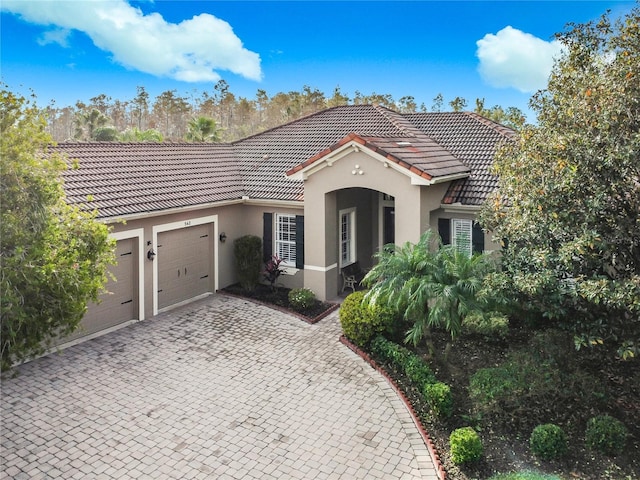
[221,388]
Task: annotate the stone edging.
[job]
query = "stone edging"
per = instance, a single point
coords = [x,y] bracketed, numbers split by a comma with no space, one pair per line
[442,474]
[331,309]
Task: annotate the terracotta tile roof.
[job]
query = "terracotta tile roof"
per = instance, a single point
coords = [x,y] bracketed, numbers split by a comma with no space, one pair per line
[130,178]
[472,139]
[134,178]
[264,158]
[418,154]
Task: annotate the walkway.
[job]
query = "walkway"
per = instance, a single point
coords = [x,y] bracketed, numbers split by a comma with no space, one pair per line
[219,389]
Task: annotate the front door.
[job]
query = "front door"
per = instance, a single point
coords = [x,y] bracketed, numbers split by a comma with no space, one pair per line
[389,225]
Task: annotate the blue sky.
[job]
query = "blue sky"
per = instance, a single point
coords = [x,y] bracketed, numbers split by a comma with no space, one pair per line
[74,50]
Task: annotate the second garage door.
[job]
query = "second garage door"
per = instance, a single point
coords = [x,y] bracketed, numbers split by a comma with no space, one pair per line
[120,303]
[185,264]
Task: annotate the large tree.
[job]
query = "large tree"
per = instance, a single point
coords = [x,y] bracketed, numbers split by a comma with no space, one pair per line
[54,257]
[568,205]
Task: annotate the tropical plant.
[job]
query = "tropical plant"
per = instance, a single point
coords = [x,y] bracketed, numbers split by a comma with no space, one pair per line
[429,284]
[272,271]
[569,191]
[136,135]
[54,257]
[202,129]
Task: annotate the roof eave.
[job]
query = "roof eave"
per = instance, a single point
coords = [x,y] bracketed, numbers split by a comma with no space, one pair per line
[352,146]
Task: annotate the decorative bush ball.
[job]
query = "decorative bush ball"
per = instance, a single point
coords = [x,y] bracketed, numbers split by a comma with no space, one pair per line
[466,446]
[301,299]
[438,396]
[606,434]
[362,323]
[548,441]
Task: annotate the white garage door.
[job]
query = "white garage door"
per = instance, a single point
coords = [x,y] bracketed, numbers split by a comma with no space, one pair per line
[185,264]
[120,304]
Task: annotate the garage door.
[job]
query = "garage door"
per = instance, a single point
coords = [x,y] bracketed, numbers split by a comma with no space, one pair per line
[120,304]
[185,264]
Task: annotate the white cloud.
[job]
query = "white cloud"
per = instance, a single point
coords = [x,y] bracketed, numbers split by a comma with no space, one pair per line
[57,35]
[513,58]
[191,51]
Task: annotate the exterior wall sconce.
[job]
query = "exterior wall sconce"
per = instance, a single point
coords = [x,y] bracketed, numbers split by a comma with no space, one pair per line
[151,254]
[223,237]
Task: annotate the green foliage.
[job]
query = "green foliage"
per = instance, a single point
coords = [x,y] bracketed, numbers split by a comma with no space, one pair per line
[540,380]
[360,322]
[248,254]
[416,369]
[466,446]
[606,434]
[569,191]
[203,129]
[54,257]
[524,476]
[429,286]
[438,397]
[491,325]
[436,394]
[136,135]
[390,352]
[548,441]
[301,299]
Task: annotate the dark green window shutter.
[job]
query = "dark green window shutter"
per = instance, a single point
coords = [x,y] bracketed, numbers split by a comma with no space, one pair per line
[444,230]
[477,238]
[300,241]
[267,237]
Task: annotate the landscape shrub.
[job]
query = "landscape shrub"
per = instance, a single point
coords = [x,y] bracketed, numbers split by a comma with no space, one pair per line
[362,323]
[606,434]
[248,254]
[438,397]
[418,371]
[301,299]
[490,384]
[490,326]
[548,441]
[465,445]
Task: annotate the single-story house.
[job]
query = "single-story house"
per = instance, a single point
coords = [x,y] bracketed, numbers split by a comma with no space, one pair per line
[323,192]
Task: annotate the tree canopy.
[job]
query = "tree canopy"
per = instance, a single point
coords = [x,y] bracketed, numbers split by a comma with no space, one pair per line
[170,113]
[54,257]
[568,205]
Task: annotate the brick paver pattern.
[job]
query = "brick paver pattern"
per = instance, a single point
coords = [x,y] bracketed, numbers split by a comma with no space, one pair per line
[223,389]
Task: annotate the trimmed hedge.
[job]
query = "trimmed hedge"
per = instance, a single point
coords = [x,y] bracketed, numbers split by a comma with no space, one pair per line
[362,323]
[436,394]
[248,253]
[606,434]
[548,441]
[466,446]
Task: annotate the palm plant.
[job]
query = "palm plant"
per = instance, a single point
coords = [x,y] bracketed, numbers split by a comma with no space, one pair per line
[203,129]
[431,287]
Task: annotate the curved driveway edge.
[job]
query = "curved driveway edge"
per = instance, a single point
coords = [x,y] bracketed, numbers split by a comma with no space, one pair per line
[222,388]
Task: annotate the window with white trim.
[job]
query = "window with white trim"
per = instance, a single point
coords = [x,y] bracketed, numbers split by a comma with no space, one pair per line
[347,237]
[461,231]
[285,238]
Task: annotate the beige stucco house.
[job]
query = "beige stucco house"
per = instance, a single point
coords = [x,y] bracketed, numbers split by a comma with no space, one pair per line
[323,192]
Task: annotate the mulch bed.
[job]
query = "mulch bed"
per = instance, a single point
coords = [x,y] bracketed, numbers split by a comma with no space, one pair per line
[279,299]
